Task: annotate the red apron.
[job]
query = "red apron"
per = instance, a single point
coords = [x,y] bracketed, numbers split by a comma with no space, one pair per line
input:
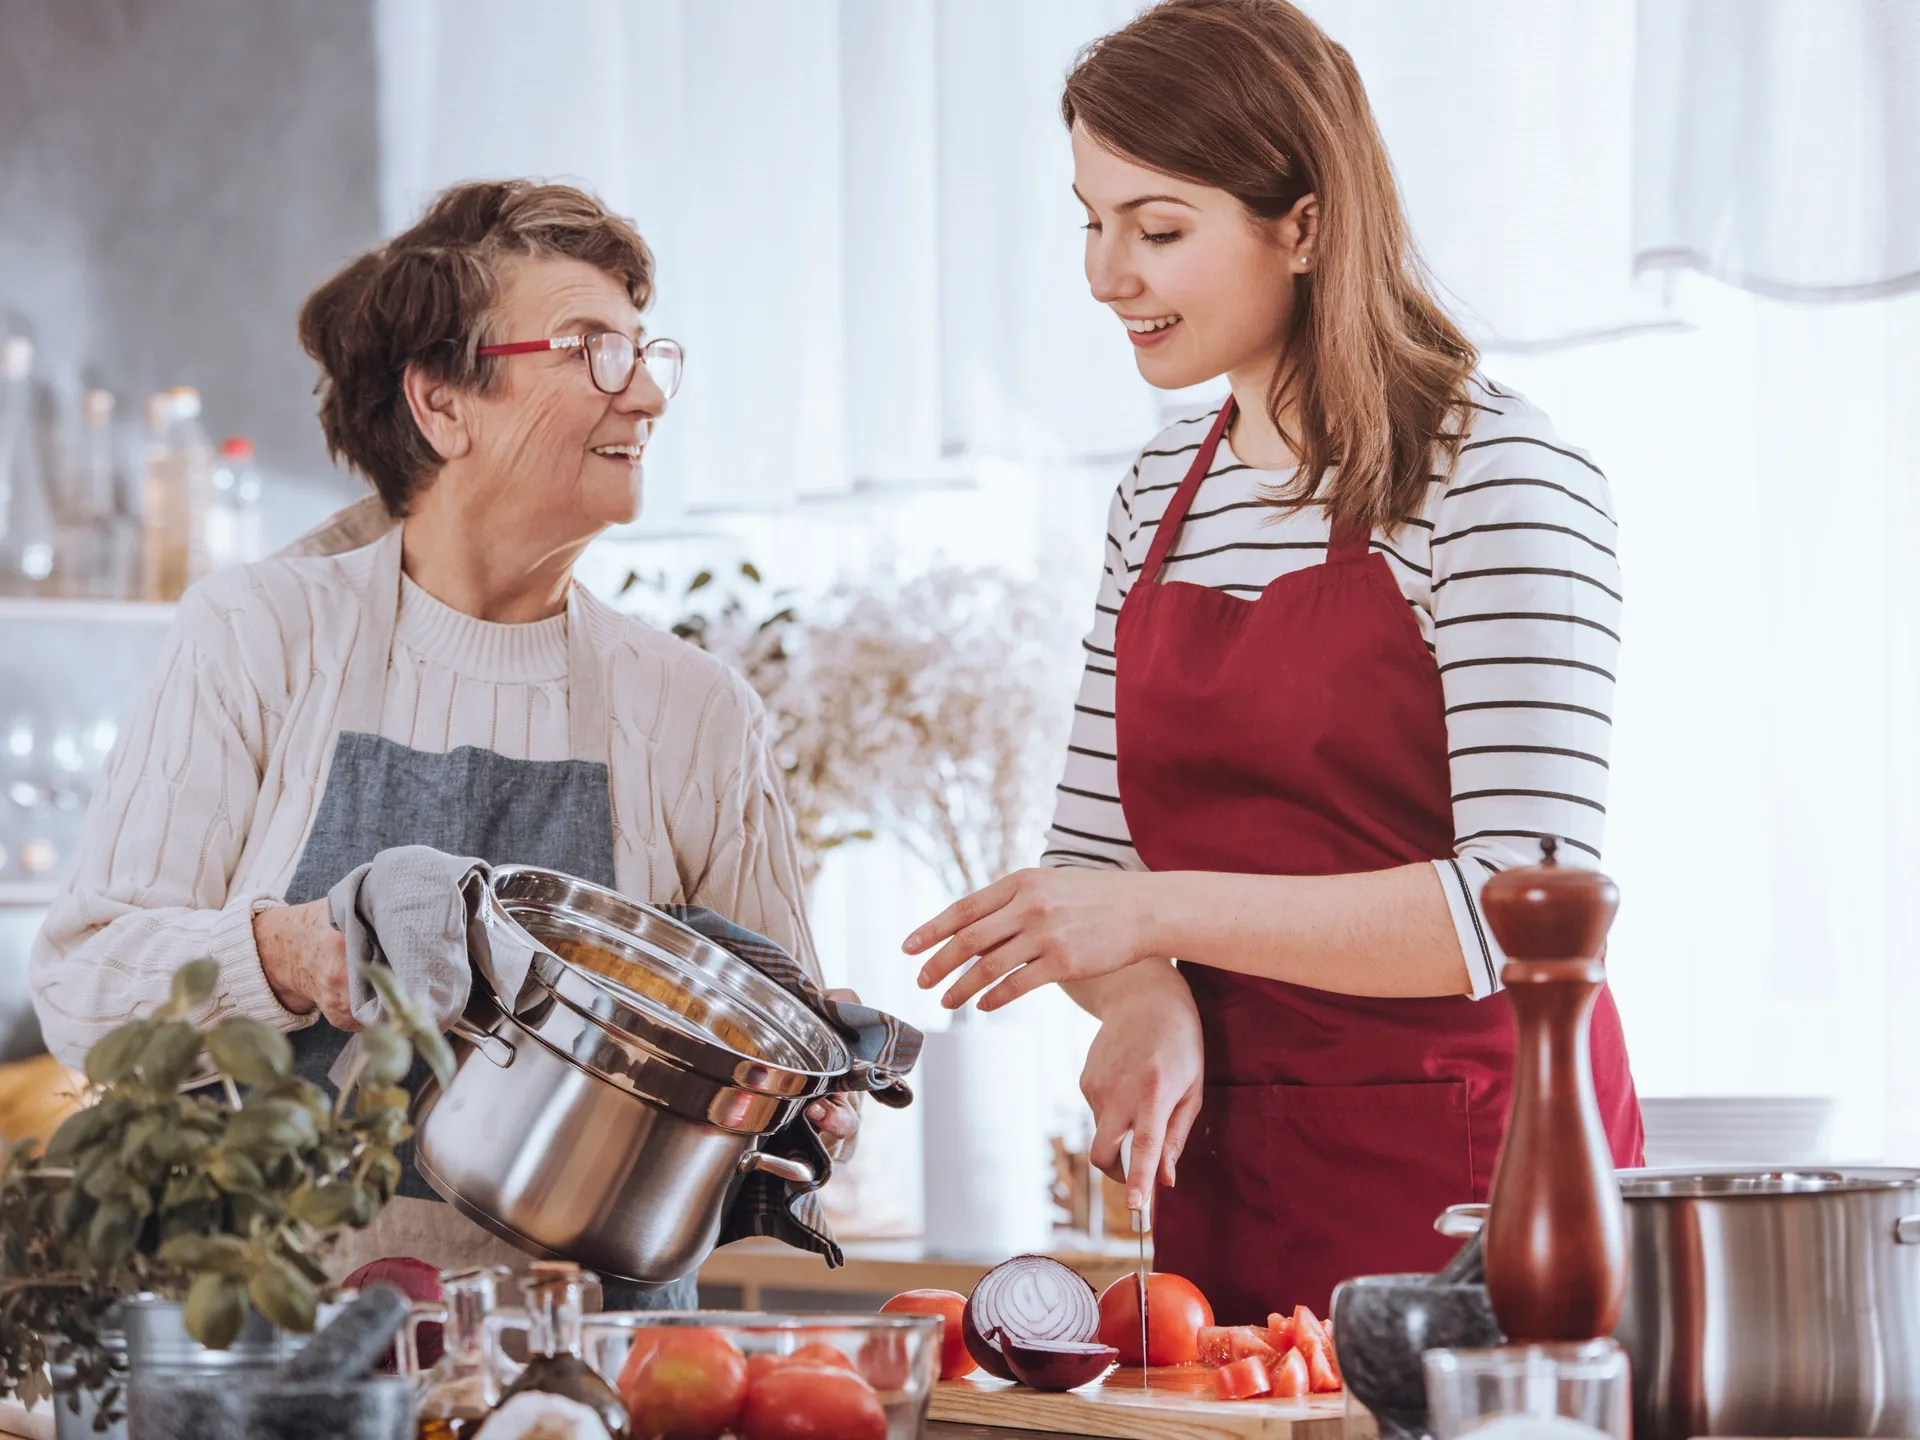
[1303,733]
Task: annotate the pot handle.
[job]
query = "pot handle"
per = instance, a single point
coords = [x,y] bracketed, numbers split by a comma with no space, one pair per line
[485,1041]
[1461,1222]
[1906,1230]
[798,1171]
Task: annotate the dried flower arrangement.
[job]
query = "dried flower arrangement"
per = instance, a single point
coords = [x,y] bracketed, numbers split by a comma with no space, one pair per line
[935,708]
[225,1198]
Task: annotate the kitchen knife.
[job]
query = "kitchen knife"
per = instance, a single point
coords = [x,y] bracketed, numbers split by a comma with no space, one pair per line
[1138,1214]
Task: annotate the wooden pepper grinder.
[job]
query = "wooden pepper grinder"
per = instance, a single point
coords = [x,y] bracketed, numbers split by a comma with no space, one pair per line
[1555,1237]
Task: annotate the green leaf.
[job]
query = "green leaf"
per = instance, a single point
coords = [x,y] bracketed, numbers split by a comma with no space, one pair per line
[226,1254]
[112,1233]
[197,1187]
[114,1054]
[101,1175]
[748,569]
[700,581]
[250,1052]
[325,1207]
[389,1056]
[193,985]
[402,1008]
[266,1128]
[382,1097]
[367,1201]
[167,1057]
[80,1130]
[627,584]
[305,1264]
[284,1295]
[216,1309]
[438,1054]
[384,1169]
[234,1172]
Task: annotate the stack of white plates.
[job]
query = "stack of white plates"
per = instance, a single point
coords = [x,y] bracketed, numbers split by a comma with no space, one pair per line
[1736,1129]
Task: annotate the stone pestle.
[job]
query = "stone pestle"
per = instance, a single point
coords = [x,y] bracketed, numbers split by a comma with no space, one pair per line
[353,1342]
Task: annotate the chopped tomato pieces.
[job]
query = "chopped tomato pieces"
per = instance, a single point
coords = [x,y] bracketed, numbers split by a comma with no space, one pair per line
[1242,1380]
[1224,1344]
[1321,1375]
[1290,1377]
[1280,1333]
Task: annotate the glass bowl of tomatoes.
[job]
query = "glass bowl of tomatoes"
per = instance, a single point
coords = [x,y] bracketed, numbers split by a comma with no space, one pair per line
[768,1377]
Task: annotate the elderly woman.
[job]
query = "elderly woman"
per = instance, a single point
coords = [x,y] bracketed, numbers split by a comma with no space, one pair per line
[424,669]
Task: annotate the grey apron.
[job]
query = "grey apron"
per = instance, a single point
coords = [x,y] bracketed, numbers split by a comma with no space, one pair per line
[378,794]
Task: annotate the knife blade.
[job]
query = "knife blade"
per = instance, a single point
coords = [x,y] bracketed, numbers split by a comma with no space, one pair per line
[1139,1217]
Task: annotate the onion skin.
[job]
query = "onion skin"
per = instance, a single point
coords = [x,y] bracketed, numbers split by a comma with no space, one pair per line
[1057,1366]
[986,1353]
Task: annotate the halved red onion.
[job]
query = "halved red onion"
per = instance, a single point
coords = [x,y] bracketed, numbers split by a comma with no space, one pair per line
[1057,1364]
[1029,1300]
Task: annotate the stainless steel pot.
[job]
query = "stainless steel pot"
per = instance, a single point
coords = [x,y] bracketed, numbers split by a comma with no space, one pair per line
[1769,1302]
[611,1123]
[1773,1303]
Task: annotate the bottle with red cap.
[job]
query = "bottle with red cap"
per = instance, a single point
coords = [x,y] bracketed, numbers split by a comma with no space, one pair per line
[233,515]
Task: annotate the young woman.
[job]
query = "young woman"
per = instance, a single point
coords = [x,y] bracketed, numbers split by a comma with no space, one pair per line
[1353,653]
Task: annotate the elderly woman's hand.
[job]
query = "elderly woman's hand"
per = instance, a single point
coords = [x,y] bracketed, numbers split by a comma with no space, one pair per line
[837,1116]
[305,960]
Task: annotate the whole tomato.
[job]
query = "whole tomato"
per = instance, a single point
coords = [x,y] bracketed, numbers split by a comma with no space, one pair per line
[812,1402]
[820,1352]
[692,1386]
[954,1359]
[1176,1314]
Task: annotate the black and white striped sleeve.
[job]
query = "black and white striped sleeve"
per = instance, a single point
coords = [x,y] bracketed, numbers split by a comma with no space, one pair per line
[1526,626]
[1088,827]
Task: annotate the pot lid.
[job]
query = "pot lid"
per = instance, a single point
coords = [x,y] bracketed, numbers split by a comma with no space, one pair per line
[1730,1182]
[645,978]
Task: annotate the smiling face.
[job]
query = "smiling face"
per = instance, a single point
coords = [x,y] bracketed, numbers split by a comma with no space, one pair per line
[1203,287]
[546,450]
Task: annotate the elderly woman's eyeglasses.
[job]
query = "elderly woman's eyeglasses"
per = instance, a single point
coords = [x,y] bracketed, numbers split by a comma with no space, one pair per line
[611,357]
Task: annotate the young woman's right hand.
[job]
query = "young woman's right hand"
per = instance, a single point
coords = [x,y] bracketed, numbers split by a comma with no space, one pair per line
[305,960]
[1143,1074]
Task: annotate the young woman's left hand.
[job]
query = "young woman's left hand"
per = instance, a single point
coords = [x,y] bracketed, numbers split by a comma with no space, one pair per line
[1035,927]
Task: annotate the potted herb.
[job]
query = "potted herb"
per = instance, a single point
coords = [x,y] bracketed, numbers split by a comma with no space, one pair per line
[201,1171]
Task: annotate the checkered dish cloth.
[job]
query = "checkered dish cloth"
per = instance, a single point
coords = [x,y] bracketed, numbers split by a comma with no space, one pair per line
[785,1209]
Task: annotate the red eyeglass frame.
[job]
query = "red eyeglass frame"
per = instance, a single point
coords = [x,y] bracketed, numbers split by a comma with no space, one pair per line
[579,342]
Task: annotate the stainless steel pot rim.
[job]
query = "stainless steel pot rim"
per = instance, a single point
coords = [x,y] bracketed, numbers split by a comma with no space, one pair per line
[1741,1182]
[801,1040]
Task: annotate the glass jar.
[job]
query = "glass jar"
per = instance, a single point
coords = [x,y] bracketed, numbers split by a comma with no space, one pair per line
[552,1291]
[461,1389]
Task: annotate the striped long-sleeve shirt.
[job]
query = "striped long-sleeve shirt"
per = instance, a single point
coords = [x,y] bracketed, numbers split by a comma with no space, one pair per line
[1510,569]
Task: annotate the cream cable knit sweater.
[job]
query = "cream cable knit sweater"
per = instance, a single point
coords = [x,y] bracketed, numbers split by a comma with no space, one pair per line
[204,808]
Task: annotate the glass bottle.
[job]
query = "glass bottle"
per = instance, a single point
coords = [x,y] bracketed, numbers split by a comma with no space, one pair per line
[461,1389]
[178,490]
[27,525]
[555,1365]
[233,514]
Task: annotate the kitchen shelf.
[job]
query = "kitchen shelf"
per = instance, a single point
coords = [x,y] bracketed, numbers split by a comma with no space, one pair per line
[34,608]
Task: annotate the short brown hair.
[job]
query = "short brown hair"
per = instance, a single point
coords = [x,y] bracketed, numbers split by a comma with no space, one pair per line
[1252,97]
[424,299]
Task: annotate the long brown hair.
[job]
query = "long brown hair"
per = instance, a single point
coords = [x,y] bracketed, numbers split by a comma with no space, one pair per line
[1252,97]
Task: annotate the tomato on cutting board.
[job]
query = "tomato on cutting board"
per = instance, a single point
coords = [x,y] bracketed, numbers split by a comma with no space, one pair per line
[948,1305]
[1176,1314]
[1290,1377]
[1242,1380]
[1224,1344]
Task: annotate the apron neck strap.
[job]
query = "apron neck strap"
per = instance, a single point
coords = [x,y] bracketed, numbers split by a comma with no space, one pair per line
[1176,512]
[363,693]
[1351,542]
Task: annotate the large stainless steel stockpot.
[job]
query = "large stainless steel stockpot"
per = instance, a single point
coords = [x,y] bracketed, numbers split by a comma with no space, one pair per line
[608,1112]
[1768,1302]
[1779,1302]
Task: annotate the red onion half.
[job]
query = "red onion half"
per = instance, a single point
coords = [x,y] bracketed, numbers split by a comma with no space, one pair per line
[1058,1364]
[1030,1300]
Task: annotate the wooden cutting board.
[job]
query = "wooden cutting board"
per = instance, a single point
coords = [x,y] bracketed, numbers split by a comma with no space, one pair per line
[1175,1404]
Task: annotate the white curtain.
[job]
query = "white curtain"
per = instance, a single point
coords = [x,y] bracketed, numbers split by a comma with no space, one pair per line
[1777,144]
[867,243]
[861,211]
